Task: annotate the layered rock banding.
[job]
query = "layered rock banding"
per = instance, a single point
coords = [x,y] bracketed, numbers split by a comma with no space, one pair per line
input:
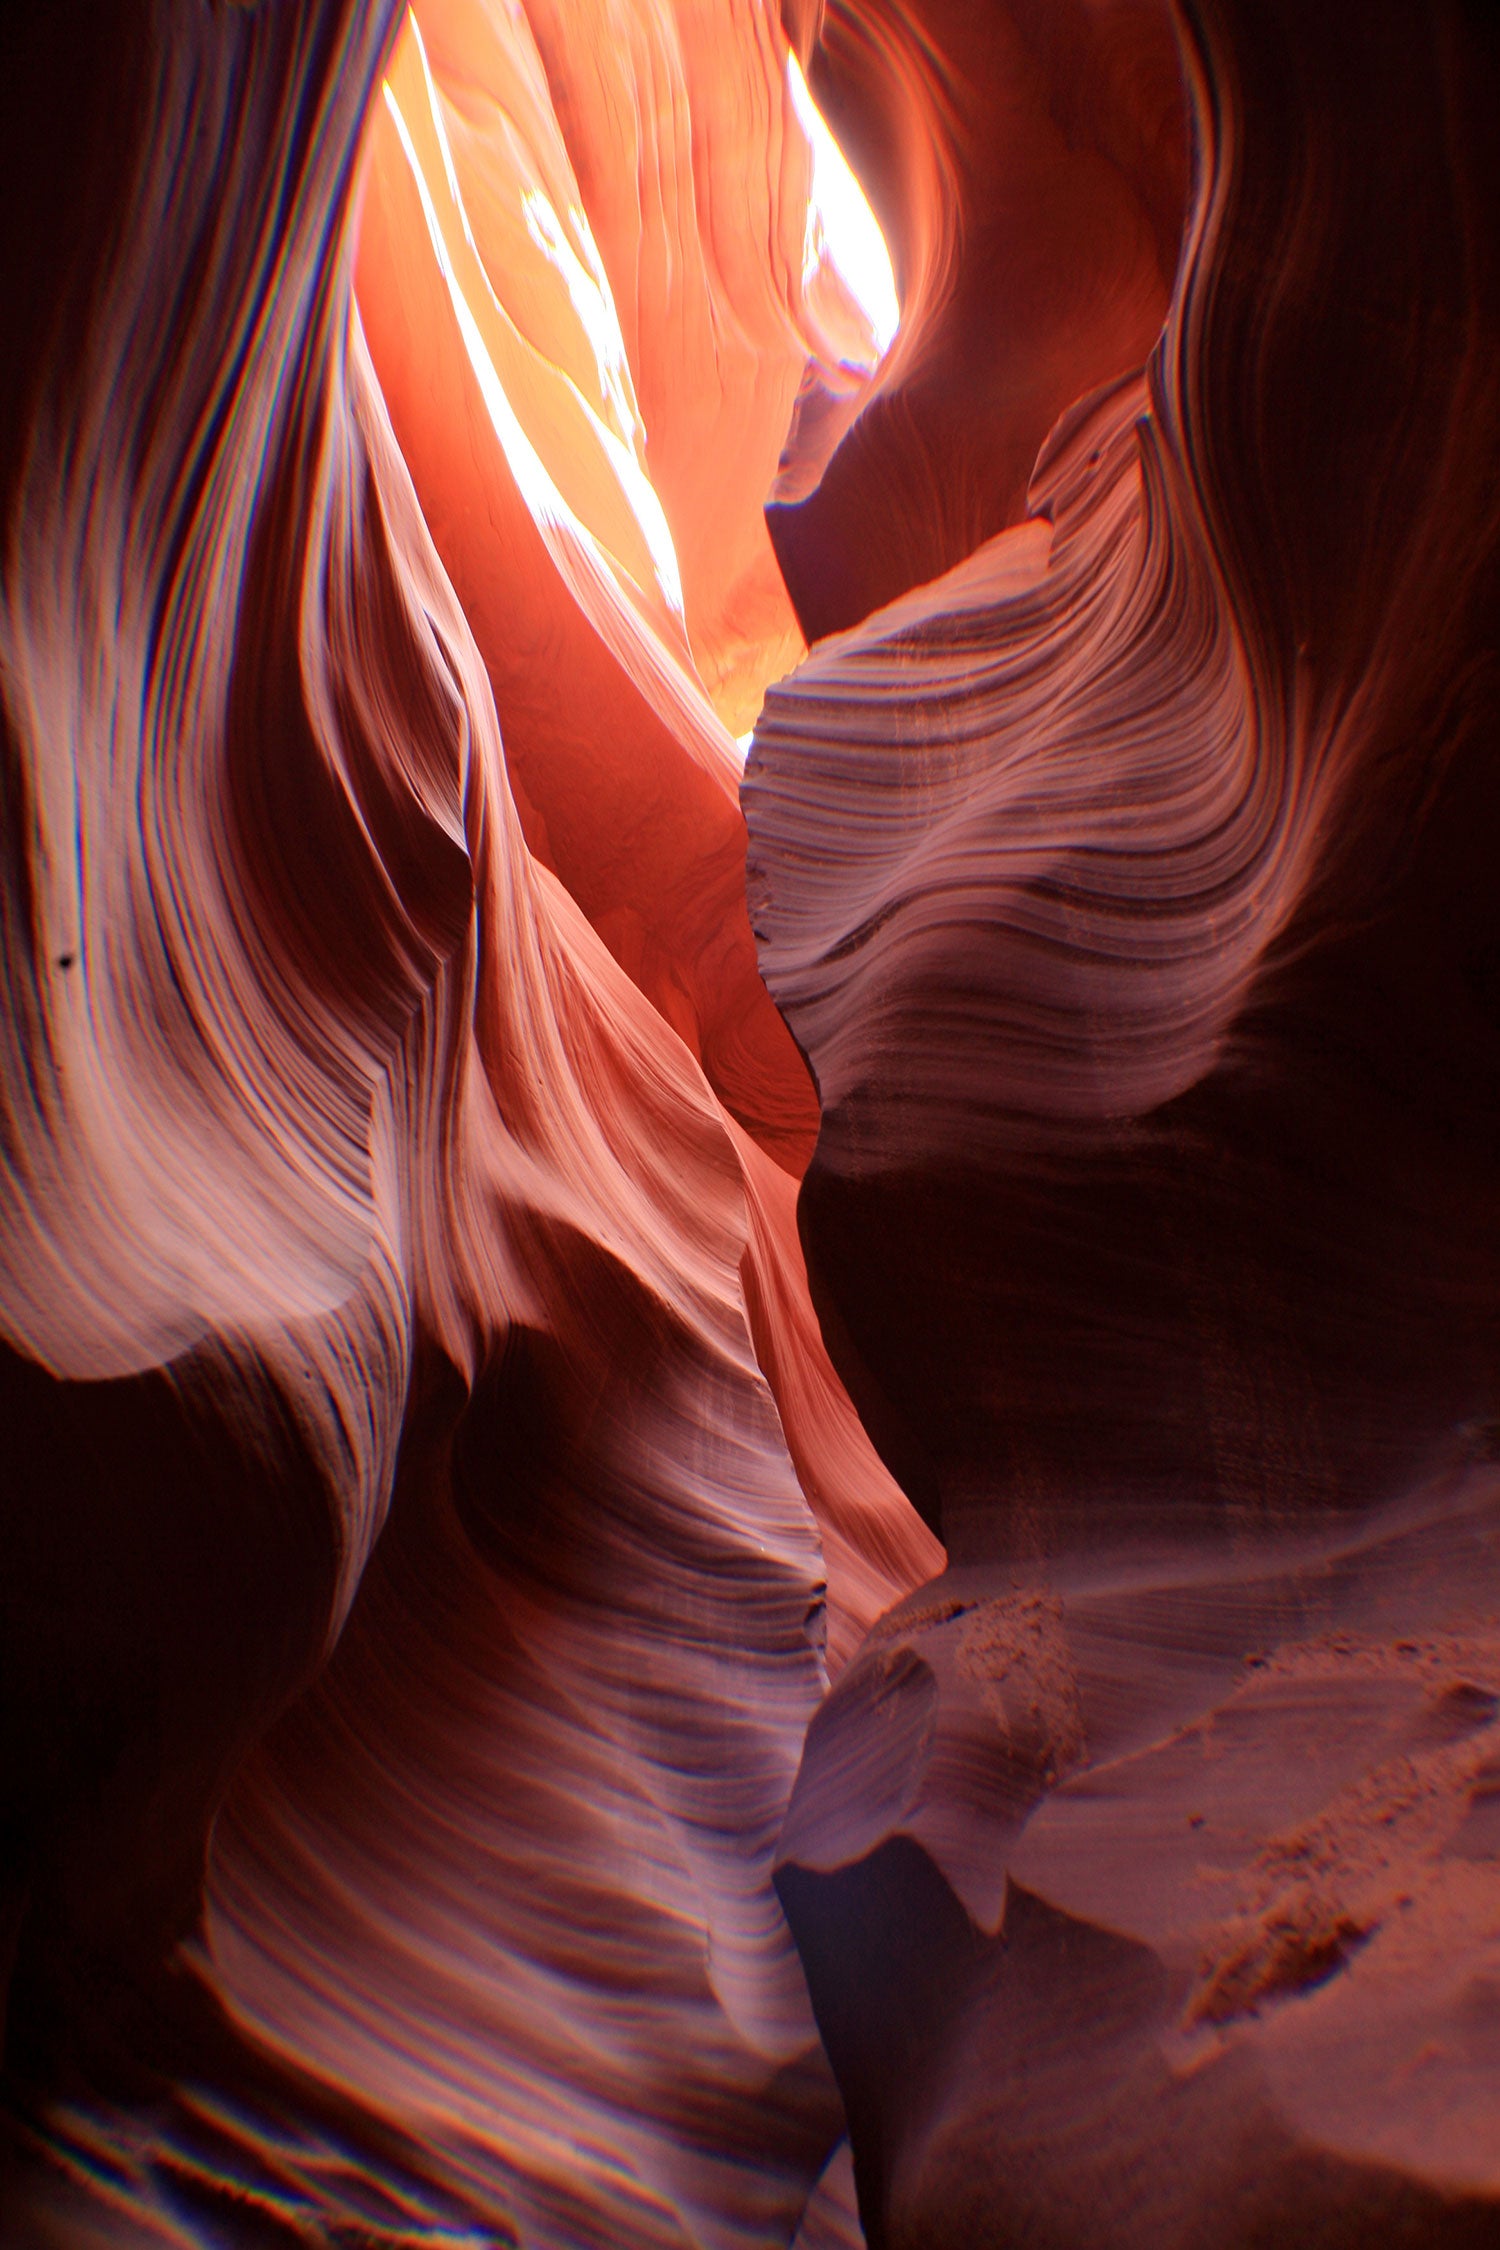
[1121,888]
[384,1278]
[434,1508]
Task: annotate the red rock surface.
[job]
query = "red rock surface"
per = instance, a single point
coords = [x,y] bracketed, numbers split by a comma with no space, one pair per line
[1124,888]
[489,1750]
[383,1276]
[1029,165]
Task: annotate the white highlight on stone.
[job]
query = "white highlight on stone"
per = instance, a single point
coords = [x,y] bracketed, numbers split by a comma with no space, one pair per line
[841,227]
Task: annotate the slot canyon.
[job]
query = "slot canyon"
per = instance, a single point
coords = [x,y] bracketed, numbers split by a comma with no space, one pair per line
[750,1095]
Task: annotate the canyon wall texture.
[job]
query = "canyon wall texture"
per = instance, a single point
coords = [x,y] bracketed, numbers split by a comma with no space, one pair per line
[1129,890]
[502,1295]
[387,1290]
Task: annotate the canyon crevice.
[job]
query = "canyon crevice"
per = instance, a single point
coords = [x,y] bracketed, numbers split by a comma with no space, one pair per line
[750,1249]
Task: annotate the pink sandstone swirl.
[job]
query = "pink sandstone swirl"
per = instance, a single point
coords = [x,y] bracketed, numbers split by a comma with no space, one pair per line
[430,1513]
[1130,891]
[432,1518]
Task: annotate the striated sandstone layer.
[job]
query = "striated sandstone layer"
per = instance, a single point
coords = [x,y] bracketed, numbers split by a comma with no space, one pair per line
[490,1752]
[430,1513]
[1129,889]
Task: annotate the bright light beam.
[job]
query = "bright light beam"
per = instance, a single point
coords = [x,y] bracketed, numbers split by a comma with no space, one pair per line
[840,224]
[549,510]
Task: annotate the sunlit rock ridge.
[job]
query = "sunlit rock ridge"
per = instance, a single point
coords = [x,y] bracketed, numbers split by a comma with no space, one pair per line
[750,1095]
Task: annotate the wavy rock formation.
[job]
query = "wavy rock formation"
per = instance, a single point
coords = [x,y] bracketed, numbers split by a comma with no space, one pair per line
[1029,166]
[383,1276]
[1127,889]
[490,1751]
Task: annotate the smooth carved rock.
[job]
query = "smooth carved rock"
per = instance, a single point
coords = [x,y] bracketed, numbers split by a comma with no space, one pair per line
[1164,1906]
[1030,167]
[1124,890]
[436,1493]
[411,1609]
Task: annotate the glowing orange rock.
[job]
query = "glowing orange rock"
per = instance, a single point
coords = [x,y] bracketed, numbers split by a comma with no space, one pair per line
[378,1259]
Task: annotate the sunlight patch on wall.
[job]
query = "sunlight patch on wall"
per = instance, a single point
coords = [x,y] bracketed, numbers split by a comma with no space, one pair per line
[841,227]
